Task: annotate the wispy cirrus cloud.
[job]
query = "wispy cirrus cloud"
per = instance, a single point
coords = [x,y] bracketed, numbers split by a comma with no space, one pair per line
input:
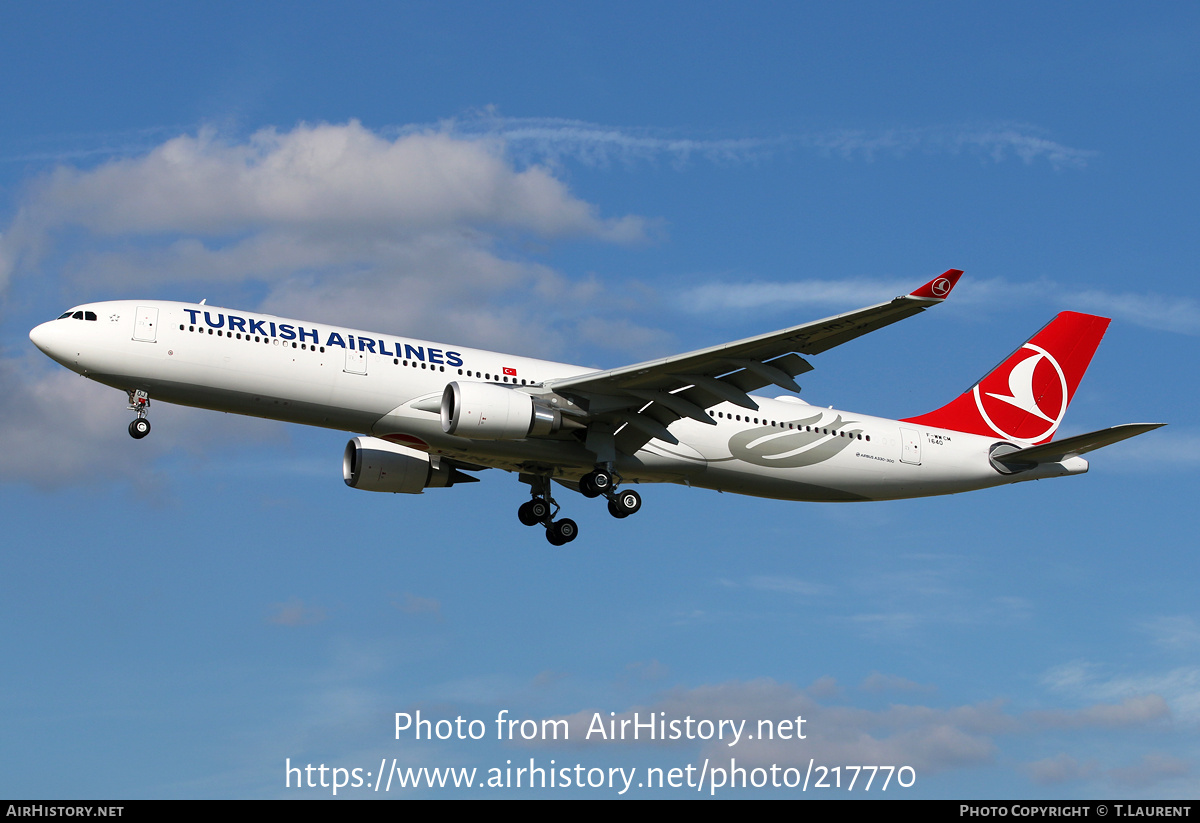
[558,139]
[716,297]
[1152,310]
[541,139]
[1179,688]
[1175,632]
[994,141]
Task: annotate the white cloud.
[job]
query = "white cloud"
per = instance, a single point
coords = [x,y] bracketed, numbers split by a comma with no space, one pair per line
[55,426]
[58,429]
[420,233]
[331,202]
[929,740]
[1152,769]
[323,178]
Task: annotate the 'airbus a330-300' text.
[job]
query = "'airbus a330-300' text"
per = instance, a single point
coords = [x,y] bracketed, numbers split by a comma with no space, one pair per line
[429,414]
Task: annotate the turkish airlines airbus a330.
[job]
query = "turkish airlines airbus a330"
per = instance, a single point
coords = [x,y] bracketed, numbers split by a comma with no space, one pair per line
[432,412]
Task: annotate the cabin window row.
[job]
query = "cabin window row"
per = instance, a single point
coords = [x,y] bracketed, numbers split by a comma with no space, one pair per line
[740,418]
[406,362]
[247,338]
[489,376]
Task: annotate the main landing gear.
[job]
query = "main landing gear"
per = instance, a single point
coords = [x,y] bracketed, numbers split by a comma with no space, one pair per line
[139,401]
[599,482]
[542,508]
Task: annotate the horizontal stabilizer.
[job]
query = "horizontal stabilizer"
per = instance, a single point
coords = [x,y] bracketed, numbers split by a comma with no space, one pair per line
[1060,450]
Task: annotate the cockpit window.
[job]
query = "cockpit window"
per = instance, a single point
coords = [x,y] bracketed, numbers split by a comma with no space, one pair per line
[89,315]
[78,315]
[64,315]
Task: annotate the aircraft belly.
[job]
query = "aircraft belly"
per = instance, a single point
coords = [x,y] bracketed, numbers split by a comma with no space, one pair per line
[949,463]
[658,461]
[829,455]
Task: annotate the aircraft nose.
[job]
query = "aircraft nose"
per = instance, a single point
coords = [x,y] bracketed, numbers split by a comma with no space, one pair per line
[40,335]
[50,338]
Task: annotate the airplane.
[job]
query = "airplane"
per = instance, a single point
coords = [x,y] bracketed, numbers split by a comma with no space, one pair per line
[427,415]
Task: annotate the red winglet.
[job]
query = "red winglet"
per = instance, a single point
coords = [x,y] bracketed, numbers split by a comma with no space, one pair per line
[939,287]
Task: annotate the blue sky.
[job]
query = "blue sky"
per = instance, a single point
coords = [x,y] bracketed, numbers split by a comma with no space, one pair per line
[183,614]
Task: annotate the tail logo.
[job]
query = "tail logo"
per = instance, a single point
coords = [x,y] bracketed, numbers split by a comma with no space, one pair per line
[941,286]
[1009,411]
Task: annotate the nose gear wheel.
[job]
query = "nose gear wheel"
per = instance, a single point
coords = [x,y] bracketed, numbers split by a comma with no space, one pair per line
[139,401]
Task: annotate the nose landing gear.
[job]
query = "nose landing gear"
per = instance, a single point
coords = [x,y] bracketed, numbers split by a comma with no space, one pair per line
[139,401]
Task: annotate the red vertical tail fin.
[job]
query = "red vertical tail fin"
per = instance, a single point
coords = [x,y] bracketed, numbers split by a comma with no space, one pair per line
[1025,398]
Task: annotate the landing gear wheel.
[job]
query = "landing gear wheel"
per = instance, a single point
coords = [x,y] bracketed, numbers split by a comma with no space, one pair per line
[598,480]
[562,531]
[626,502]
[535,511]
[587,488]
[139,428]
[525,515]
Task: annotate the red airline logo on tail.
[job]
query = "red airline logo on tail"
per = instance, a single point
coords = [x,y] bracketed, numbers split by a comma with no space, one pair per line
[1025,398]
[1010,415]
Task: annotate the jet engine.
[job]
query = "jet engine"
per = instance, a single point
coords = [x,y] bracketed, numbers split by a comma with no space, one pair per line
[485,411]
[376,465]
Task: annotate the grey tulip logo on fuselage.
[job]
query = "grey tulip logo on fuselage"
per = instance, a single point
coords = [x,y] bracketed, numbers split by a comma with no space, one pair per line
[805,445]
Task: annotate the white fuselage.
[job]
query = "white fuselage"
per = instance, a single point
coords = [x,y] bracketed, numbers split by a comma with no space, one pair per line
[389,386]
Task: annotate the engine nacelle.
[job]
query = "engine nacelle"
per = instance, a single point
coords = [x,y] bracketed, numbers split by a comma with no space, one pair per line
[485,411]
[375,465]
